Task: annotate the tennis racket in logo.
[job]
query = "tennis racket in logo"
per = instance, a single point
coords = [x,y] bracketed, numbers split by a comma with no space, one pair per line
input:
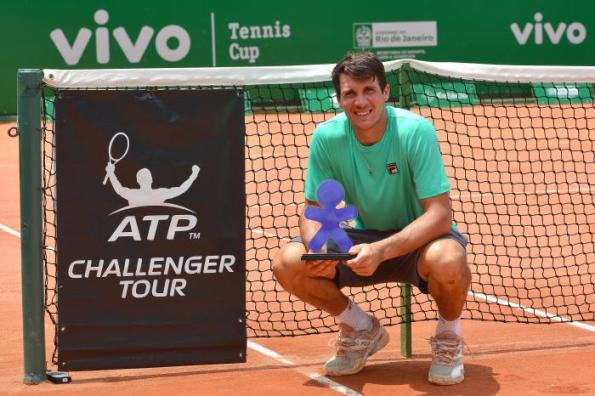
[116,154]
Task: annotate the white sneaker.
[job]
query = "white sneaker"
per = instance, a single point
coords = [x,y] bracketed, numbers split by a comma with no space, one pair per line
[354,348]
[447,359]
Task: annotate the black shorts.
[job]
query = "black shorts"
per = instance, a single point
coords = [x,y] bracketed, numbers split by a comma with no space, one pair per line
[401,269]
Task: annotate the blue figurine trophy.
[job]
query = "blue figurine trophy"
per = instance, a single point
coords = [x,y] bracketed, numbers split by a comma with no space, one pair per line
[330,193]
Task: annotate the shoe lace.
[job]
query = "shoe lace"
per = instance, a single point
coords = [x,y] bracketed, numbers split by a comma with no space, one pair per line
[346,344]
[446,351]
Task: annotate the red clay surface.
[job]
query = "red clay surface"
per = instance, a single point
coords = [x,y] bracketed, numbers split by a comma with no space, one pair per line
[504,359]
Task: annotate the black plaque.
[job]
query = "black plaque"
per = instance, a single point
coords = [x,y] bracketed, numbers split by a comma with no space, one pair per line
[151,264]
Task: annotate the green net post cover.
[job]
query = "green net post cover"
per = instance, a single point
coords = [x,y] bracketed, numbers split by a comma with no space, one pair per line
[447,94]
[319,100]
[247,103]
[48,102]
[562,93]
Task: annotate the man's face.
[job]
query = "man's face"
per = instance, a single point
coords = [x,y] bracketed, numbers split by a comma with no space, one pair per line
[363,102]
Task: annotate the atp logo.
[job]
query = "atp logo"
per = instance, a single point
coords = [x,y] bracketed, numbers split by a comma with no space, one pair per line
[144,195]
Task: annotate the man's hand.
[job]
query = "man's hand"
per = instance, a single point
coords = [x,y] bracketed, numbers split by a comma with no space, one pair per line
[366,261]
[195,169]
[110,168]
[321,268]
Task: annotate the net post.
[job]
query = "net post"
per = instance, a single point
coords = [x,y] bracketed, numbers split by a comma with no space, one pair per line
[29,127]
[405,320]
[405,90]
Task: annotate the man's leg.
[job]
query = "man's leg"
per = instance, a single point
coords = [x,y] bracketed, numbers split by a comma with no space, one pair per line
[291,272]
[442,263]
[360,335]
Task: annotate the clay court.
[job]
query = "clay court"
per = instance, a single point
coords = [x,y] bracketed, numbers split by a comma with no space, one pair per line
[501,358]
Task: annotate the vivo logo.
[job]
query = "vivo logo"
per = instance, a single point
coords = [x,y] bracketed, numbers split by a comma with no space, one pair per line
[575,32]
[132,49]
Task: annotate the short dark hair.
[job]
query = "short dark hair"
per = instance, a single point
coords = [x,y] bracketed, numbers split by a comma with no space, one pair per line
[361,66]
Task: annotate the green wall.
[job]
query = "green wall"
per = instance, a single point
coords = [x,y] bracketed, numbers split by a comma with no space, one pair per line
[296,32]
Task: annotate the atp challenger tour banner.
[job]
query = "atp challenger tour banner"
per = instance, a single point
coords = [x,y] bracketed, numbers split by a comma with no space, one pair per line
[150,228]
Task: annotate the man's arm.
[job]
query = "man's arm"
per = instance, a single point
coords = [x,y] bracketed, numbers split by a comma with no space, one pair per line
[435,221]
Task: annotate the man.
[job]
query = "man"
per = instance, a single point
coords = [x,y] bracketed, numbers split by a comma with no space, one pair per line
[389,162]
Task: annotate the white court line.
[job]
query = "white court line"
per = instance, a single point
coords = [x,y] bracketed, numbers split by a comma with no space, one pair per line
[267,234]
[350,392]
[492,299]
[10,230]
[582,190]
[313,376]
[485,297]
[267,352]
[536,312]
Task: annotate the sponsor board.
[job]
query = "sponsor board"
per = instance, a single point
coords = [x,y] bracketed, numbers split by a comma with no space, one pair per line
[151,228]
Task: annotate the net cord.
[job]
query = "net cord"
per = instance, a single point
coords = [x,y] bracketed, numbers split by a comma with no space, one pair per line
[263,75]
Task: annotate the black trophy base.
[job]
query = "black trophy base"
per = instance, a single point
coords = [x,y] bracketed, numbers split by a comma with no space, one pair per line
[326,256]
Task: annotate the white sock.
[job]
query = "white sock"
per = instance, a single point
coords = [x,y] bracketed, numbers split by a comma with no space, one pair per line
[354,317]
[453,326]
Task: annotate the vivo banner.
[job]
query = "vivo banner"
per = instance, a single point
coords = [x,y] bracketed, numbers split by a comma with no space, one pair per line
[152,33]
[151,228]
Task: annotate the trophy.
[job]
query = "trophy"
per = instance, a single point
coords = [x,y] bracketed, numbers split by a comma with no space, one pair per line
[330,193]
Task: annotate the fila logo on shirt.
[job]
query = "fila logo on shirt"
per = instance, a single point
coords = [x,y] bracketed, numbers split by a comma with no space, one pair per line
[392,168]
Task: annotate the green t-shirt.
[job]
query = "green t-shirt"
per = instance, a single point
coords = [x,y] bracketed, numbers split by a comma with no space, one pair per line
[386,180]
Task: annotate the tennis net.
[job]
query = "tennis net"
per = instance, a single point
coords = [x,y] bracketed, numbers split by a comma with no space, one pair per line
[518,144]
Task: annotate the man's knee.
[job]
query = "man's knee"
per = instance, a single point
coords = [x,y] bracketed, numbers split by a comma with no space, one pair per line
[445,262]
[286,264]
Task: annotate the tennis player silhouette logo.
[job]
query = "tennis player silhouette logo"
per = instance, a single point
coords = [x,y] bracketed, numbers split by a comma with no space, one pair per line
[145,195]
[330,193]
